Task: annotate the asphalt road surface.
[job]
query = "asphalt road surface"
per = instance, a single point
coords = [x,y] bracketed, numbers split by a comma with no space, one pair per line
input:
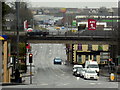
[48,75]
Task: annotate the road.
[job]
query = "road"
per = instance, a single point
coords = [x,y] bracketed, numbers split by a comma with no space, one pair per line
[48,75]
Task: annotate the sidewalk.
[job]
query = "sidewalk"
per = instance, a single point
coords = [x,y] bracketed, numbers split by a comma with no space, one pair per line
[13,83]
[25,80]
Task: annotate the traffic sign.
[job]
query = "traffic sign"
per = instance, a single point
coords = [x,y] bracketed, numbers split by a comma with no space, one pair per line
[3,37]
[91,24]
[74,23]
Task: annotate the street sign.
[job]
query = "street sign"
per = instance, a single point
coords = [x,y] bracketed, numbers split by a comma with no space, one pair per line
[74,23]
[3,37]
[25,25]
[29,30]
[62,27]
[91,24]
[28,46]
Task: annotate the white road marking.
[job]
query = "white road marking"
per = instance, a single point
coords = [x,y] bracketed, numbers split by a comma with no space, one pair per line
[66,83]
[44,84]
[93,83]
[78,78]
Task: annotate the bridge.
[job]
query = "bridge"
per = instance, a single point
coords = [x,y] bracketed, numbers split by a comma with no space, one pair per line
[85,37]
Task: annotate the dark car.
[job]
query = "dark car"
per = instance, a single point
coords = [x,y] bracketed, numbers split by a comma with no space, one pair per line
[38,33]
[57,60]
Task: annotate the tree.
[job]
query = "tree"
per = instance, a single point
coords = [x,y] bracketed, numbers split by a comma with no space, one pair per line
[5,10]
[24,12]
[27,15]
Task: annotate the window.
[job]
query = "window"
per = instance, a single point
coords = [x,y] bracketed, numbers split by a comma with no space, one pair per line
[86,57]
[100,48]
[79,59]
[89,47]
[94,57]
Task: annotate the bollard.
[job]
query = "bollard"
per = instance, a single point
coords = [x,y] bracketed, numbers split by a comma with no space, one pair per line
[112,77]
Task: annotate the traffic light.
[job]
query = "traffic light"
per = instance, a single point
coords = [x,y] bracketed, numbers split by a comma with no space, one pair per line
[30,58]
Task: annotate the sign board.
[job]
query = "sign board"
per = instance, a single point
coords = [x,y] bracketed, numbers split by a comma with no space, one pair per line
[74,23]
[25,25]
[91,24]
[3,37]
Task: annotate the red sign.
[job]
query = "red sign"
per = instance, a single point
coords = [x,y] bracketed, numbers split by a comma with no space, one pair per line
[28,46]
[91,24]
[25,24]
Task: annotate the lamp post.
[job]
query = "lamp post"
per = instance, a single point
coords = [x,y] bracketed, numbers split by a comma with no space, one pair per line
[116,39]
[17,3]
[111,11]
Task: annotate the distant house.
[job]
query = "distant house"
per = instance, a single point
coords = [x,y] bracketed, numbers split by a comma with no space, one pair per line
[9,22]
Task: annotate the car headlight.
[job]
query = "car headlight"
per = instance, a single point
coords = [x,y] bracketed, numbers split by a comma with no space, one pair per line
[97,70]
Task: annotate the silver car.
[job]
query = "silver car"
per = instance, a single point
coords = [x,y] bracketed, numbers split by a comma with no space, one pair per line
[90,74]
[82,72]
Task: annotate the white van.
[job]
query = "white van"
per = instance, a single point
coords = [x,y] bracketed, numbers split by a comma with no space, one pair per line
[93,65]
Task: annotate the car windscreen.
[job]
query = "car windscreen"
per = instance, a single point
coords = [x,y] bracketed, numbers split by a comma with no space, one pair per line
[90,71]
[58,60]
[93,66]
[77,67]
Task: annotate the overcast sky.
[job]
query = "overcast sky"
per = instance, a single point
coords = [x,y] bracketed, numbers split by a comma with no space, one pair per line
[74,3]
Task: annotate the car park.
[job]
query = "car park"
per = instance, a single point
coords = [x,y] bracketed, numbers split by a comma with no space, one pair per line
[90,74]
[57,60]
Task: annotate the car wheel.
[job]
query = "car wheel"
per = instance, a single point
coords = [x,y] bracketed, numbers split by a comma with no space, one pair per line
[85,78]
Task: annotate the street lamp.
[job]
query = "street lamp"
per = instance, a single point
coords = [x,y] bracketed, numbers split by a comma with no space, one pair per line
[116,38]
[111,11]
[17,29]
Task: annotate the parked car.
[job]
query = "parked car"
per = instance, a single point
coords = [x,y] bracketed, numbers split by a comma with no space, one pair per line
[82,72]
[90,74]
[75,67]
[93,65]
[38,33]
[77,73]
[57,60]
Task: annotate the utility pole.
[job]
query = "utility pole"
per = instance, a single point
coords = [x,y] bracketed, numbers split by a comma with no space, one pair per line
[1,47]
[17,29]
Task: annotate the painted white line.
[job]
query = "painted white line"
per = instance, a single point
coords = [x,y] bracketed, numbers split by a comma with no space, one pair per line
[93,83]
[44,84]
[66,83]
[78,78]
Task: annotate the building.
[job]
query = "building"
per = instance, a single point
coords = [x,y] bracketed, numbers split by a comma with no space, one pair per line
[9,22]
[79,53]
